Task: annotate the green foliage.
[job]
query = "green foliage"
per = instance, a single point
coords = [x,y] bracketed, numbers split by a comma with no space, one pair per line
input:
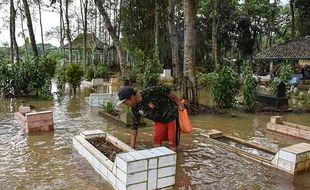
[89,73]
[29,76]
[284,74]
[208,80]
[74,74]
[101,71]
[226,87]
[109,107]
[137,67]
[303,16]
[151,72]
[93,71]
[248,89]
[60,75]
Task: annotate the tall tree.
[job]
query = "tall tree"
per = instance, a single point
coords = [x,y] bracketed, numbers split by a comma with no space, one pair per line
[85,6]
[157,25]
[14,46]
[292,9]
[189,89]
[215,26]
[30,28]
[115,38]
[303,17]
[68,32]
[174,41]
[38,2]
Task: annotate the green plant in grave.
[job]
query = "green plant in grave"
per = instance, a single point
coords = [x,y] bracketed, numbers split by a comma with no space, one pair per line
[226,87]
[109,108]
[248,87]
[284,74]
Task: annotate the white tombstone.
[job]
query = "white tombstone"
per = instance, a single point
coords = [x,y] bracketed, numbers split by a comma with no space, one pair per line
[166,73]
[97,82]
[293,159]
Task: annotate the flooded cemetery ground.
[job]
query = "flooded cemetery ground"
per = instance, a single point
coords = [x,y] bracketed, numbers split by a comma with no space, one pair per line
[49,161]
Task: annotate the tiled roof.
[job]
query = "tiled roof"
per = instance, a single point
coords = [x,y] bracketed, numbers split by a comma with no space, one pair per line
[92,42]
[293,49]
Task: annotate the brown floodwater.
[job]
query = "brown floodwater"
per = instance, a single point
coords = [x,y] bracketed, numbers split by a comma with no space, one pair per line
[49,161]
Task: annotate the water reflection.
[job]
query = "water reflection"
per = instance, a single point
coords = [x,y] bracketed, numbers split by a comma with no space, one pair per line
[48,161]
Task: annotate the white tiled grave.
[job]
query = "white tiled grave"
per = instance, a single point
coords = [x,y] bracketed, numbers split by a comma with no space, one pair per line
[293,159]
[99,99]
[147,169]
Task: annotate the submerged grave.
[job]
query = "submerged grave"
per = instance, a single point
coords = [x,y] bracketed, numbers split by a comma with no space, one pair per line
[278,125]
[153,168]
[292,159]
[32,121]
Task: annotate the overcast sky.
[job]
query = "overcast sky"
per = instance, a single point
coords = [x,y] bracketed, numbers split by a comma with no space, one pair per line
[49,20]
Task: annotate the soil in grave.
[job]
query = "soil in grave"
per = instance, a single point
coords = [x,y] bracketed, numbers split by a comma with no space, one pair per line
[105,147]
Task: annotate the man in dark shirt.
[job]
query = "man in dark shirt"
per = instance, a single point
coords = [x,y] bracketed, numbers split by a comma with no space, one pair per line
[159,104]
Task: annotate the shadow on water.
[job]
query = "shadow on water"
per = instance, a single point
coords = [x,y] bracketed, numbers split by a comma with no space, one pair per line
[48,160]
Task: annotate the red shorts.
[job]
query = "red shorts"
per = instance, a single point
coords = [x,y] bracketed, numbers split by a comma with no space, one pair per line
[164,132]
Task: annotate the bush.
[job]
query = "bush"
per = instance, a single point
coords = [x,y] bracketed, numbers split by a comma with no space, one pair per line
[248,88]
[29,76]
[74,74]
[226,87]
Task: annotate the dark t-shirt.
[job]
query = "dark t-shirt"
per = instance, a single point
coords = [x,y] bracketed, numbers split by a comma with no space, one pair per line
[155,105]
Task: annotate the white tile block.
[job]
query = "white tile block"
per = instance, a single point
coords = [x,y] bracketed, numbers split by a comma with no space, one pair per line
[165,150]
[165,182]
[286,165]
[103,170]
[129,164]
[131,178]
[120,185]
[167,161]
[139,186]
[167,171]
[156,152]
[152,158]
[152,179]
[92,133]
[137,166]
[111,178]
[287,156]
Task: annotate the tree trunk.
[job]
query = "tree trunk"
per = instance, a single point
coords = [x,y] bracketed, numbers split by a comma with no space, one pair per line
[115,38]
[40,17]
[30,29]
[174,41]
[157,23]
[292,9]
[14,47]
[68,34]
[85,35]
[61,25]
[189,83]
[215,24]
[23,32]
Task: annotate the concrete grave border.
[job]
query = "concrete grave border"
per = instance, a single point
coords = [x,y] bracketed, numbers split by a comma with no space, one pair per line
[292,159]
[277,124]
[148,169]
[32,122]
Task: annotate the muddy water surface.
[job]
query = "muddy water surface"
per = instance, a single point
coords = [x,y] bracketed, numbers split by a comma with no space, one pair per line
[48,160]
